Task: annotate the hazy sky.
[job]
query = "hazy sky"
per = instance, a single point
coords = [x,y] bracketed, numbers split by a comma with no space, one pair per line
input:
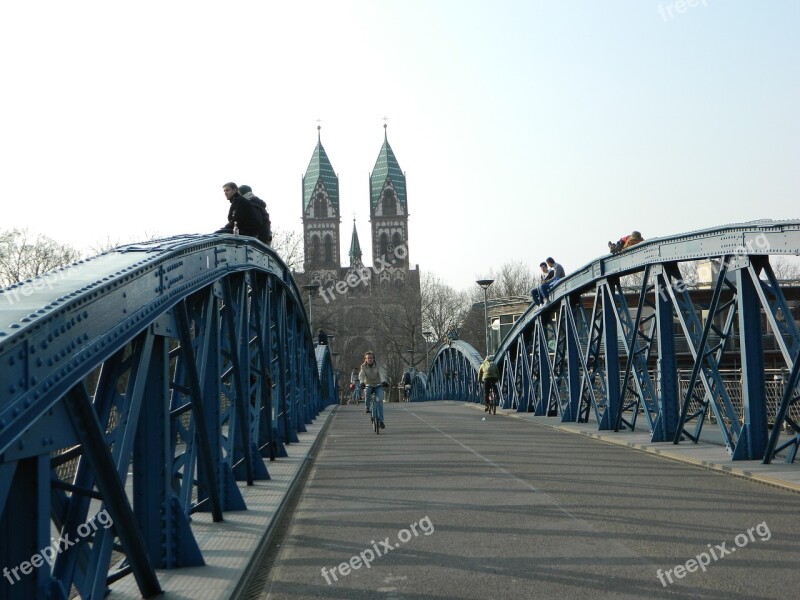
[525,129]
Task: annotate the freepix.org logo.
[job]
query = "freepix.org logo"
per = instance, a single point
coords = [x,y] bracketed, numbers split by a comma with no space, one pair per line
[367,556]
[363,276]
[704,559]
[48,553]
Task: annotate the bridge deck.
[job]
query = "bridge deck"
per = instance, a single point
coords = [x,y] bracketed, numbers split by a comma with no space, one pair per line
[511,509]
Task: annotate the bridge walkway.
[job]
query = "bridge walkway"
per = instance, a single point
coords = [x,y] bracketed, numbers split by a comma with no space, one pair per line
[517,506]
[504,508]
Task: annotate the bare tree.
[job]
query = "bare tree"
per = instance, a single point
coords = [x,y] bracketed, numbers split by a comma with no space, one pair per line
[514,279]
[289,246]
[442,306]
[110,243]
[23,255]
[785,269]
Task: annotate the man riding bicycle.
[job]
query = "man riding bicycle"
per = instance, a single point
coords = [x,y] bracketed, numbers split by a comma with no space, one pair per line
[408,377]
[489,374]
[374,379]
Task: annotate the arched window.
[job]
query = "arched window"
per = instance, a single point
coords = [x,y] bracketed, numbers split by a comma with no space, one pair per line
[328,250]
[389,203]
[383,245]
[314,250]
[397,241]
[320,209]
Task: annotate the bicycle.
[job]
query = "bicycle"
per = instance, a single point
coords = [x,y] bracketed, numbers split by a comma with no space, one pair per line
[407,393]
[493,400]
[372,390]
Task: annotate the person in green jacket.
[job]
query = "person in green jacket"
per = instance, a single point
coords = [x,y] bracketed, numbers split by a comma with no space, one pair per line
[488,374]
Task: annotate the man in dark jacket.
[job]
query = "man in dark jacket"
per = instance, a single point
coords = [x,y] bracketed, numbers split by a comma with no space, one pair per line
[242,214]
[264,226]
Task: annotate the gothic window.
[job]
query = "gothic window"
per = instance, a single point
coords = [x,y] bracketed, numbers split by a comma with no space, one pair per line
[314,250]
[320,208]
[389,203]
[397,241]
[383,245]
[328,250]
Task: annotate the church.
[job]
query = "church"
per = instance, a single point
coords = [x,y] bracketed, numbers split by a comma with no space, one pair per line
[364,308]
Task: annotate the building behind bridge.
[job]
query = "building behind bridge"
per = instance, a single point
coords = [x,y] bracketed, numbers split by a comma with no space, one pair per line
[362,308]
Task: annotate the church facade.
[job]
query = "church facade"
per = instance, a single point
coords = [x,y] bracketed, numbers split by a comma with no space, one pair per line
[373,307]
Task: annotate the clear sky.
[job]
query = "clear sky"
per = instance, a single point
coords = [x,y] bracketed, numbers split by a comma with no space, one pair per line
[525,128]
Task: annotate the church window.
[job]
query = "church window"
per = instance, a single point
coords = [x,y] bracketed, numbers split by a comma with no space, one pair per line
[389,203]
[320,206]
[383,245]
[397,241]
[314,250]
[328,250]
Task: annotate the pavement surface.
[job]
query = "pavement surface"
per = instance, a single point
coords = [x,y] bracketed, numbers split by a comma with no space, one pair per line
[449,503]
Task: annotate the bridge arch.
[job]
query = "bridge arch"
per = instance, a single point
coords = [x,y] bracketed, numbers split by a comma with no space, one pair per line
[605,345]
[186,362]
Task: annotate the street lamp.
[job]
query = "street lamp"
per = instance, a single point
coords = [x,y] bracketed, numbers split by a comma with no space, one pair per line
[427,335]
[485,283]
[310,288]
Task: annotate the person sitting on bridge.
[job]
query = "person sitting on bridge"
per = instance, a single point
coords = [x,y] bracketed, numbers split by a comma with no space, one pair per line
[374,377]
[550,280]
[242,216]
[546,273]
[322,338]
[452,334]
[625,242]
[264,224]
[489,375]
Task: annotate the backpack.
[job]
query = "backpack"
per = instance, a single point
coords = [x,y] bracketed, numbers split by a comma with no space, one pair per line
[492,372]
[264,225]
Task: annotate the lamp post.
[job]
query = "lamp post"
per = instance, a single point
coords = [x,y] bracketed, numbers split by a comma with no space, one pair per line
[310,288]
[485,283]
[427,335]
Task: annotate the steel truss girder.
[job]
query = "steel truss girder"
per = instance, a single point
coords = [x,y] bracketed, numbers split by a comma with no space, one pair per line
[154,408]
[707,356]
[637,346]
[787,335]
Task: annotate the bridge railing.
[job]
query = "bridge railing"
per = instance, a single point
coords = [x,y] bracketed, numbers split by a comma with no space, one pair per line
[653,353]
[185,363]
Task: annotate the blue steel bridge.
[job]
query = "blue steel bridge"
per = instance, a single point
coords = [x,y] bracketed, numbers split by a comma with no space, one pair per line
[144,383]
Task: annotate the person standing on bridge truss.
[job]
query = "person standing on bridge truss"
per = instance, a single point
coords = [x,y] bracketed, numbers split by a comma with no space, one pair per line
[373,377]
[242,216]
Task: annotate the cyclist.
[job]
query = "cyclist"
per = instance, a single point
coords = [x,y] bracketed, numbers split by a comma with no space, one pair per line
[488,374]
[354,387]
[373,377]
[407,379]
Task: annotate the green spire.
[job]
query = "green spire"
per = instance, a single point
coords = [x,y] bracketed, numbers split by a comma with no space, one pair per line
[355,247]
[320,170]
[387,167]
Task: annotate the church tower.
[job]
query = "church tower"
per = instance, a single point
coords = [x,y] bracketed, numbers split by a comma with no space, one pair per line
[388,209]
[321,216]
